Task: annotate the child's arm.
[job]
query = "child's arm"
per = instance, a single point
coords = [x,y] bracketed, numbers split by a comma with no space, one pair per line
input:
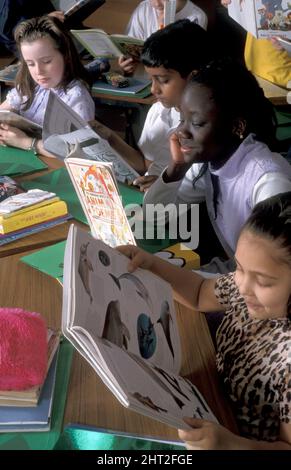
[14,137]
[134,157]
[206,435]
[6,105]
[190,289]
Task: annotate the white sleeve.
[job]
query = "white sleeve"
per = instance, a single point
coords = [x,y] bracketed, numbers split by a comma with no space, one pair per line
[13,99]
[135,27]
[145,140]
[269,185]
[80,100]
[177,192]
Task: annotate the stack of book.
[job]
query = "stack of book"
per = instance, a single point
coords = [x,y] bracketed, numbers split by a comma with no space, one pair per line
[27,213]
[30,409]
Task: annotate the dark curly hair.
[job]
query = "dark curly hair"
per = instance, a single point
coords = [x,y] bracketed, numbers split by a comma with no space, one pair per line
[238,95]
[182,46]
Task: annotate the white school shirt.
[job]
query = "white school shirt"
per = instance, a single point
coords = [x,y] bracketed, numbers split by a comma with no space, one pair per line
[144,20]
[154,139]
[253,173]
[77,97]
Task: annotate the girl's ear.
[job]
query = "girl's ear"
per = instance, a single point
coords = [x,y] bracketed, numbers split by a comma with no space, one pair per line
[239,128]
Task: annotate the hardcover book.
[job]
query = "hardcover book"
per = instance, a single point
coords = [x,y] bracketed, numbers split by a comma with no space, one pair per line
[98,193]
[101,44]
[124,324]
[261,18]
[135,86]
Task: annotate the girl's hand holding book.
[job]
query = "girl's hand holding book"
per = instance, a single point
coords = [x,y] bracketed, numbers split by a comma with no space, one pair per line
[14,137]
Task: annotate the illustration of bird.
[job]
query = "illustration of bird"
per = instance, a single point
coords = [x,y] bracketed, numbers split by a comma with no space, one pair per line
[164,320]
[141,289]
[84,268]
[114,329]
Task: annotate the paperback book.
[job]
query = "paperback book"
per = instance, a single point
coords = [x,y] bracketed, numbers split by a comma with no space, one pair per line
[124,324]
[101,44]
[22,123]
[63,129]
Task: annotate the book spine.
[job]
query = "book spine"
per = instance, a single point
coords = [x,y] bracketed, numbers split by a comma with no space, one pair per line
[36,216]
[28,208]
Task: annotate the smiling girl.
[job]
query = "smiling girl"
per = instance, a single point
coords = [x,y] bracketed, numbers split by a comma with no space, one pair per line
[48,61]
[254,338]
[221,150]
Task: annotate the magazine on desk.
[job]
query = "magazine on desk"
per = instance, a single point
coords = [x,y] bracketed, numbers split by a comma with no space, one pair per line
[101,44]
[15,120]
[124,324]
[63,129]
[263,19]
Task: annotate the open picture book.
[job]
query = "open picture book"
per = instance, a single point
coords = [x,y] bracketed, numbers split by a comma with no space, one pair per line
[124,324]
[63,128]
[101,44]
[22,123]
[98,193]
[263,19]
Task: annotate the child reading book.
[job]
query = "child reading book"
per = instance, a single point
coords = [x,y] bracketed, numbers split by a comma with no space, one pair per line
[49,61]
[220,151]
[125,326]
[168,63]
[253,340]
[148,17]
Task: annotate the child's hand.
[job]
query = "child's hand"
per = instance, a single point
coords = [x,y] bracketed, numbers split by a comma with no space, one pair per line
[14,137]
[128,65]
[139,258]
[104,131]
[206,435]
[144,182]
[175,147]
[58,14]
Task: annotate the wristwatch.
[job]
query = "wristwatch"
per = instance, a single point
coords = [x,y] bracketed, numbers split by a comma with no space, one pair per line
[33,145]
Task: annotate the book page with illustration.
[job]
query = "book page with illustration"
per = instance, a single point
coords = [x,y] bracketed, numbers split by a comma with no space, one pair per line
[101,44]
[261,18]
[125,326]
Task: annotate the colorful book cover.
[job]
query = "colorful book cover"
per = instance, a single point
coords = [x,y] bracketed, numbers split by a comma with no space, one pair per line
[263,18]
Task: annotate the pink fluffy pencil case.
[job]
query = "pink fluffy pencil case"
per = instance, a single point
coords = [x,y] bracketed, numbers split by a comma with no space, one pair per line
[23,349]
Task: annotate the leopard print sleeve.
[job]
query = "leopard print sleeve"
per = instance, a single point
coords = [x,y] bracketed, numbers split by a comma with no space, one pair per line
[222,289]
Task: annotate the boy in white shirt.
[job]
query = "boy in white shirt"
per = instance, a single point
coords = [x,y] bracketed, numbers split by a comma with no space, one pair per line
[148,17]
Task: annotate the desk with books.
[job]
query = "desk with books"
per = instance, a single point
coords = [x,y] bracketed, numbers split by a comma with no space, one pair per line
[89,402]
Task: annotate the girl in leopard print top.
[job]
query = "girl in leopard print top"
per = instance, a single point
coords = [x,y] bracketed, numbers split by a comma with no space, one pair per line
[254,338]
